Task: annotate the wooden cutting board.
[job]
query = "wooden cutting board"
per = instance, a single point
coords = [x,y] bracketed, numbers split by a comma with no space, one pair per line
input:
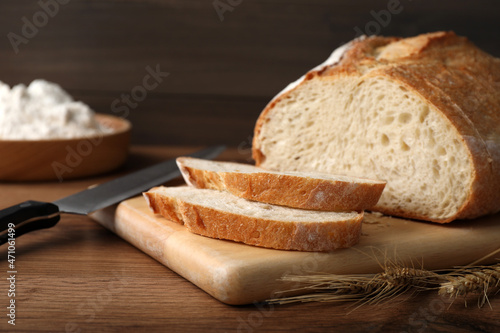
[235,273]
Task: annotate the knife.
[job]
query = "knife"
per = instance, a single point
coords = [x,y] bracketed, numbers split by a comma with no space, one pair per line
[33,215]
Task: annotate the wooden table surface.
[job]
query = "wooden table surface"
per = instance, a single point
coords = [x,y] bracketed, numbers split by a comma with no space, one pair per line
[79,277]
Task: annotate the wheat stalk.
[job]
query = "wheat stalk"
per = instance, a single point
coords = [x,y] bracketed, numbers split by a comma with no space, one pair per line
[367,288]
[394,281]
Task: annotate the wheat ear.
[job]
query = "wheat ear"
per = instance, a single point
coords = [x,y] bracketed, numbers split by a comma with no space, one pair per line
[479,280]
[367,288]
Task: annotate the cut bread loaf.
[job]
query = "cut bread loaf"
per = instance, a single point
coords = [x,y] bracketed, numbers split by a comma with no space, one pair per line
[305,190]
[422,113]
[222,215]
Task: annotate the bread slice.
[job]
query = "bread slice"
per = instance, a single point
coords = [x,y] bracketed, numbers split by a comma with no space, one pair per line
[422,113]
[222,215]
[305,190]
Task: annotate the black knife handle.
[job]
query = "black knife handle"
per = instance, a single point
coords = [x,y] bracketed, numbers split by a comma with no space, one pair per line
[25,217]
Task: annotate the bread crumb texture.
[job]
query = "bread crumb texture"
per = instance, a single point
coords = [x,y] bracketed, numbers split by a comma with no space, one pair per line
[422,114]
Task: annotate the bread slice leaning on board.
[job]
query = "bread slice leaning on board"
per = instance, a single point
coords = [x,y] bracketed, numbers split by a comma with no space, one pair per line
[422,113]
[305,190]
[219,214]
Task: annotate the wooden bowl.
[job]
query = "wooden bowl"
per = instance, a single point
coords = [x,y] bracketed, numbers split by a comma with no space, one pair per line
[61,159]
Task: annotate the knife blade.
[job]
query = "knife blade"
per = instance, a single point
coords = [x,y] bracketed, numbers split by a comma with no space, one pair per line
[33,215]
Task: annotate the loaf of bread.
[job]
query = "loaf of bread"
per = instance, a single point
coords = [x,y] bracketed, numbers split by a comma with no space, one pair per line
[219,214]
[305,190]
[422,113]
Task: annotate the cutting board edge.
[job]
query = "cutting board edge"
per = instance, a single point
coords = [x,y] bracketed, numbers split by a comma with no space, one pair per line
[227,287]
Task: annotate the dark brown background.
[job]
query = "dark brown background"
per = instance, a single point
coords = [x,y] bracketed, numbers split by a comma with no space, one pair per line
[222,73]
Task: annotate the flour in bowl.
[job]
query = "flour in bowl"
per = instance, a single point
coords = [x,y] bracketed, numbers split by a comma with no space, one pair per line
[43,110]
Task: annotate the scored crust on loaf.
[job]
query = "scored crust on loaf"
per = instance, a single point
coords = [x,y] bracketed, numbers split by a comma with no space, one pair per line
[221,215]
[422,113]
[305,190]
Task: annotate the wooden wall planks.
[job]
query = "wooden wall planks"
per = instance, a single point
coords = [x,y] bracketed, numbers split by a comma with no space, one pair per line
[101,49]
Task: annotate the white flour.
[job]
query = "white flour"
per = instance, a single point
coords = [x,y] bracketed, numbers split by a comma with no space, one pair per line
[43,110]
